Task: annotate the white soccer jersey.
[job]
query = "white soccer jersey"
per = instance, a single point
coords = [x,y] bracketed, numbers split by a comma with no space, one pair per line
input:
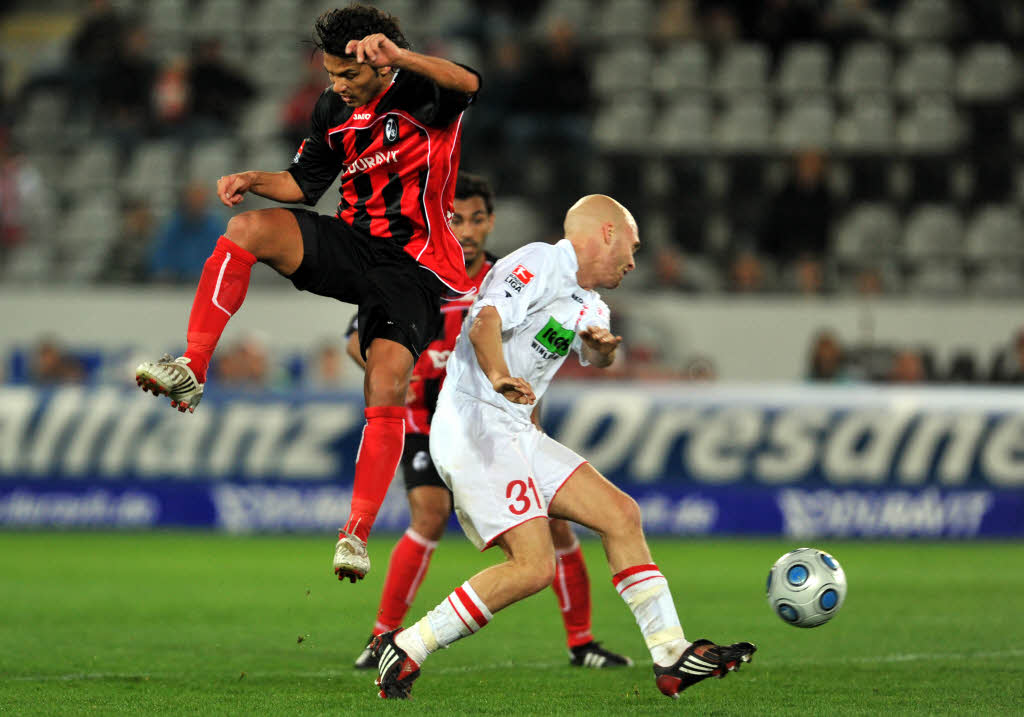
[542,309]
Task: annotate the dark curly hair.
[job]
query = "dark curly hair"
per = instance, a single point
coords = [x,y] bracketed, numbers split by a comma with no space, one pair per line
[469,185]
[335,28]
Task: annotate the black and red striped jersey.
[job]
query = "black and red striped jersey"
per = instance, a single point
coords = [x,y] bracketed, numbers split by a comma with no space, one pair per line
[397,157]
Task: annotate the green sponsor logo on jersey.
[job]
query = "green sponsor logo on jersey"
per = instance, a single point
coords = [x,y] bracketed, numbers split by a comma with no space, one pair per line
[555,338]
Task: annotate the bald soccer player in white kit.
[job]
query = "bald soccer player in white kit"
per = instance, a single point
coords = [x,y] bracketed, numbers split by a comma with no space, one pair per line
[536,305]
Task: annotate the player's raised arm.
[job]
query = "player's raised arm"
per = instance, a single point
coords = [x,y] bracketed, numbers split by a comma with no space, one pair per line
[378,51]
[485,335]
[279,186]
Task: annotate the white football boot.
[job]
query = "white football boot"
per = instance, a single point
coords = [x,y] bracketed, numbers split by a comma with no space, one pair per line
[173,378]
[350,557]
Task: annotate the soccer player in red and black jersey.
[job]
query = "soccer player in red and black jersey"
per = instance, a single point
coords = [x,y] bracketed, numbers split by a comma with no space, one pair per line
[390,126]
[430,500]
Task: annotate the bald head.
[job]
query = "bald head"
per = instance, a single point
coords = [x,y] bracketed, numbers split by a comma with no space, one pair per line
[604,235]
[592,212]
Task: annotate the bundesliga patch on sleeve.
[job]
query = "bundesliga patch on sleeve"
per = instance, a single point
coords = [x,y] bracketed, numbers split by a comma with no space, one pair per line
[520,277]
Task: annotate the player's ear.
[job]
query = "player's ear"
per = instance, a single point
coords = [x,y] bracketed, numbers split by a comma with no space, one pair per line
[608,232]
[383,71]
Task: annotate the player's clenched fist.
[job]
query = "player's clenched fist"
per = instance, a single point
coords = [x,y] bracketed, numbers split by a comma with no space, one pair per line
[516,390]
[375,50]
[232,188]
[599,339]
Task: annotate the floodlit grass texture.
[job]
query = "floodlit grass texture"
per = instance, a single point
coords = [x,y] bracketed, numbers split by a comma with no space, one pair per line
[202,623]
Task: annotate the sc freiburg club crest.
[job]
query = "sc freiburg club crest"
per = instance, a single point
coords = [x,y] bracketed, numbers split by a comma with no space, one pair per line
[390,130]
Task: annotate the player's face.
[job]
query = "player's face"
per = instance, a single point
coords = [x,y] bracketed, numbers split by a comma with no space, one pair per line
[356,82]
[471,223]
[620,258]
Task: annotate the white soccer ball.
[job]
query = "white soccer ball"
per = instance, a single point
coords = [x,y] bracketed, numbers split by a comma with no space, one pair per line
[806,587]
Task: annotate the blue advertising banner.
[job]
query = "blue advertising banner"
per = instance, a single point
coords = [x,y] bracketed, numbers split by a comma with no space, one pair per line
[794,460]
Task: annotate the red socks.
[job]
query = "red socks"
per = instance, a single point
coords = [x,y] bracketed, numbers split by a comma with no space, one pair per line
[221,291]
[572,586]
[408,565]
[376,463]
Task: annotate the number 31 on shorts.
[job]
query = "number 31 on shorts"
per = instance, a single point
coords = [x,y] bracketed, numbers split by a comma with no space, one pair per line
[516,491]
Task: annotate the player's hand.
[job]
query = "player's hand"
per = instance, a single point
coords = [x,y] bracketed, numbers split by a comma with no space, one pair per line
[231,188]
[600,340]
[516,390]
[375,50]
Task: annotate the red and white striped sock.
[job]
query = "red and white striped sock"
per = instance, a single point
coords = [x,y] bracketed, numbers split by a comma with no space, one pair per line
[221,291]
[646,592]
[406,569]
[572,586]
[460,615]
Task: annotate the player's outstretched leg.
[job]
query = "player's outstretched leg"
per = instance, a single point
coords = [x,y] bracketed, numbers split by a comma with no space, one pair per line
[396,670]
[572,588]
[589,499]
[171,377]
[699,661]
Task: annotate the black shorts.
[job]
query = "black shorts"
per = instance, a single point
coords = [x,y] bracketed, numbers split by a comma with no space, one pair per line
[397,298]
[417,467]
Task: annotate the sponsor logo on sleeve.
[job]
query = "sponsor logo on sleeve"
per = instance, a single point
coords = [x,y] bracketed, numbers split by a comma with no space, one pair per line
[520,277]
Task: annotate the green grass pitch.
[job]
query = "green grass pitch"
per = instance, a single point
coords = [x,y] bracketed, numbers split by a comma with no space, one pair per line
[200,623]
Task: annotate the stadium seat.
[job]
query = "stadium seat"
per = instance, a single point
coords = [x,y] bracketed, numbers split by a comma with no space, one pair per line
[865,69]
[742,70]
[937,277]
[684,69]
[227,16]
[578,14]
[931,126]
[168,19]
[94,167]
[805,124]
[39,124]
[684,126]
[927,69]
[933,231]
[998,279]
[520,224]
[804,70]
[744,126]
[624,125]
[995,233]
[85,237]
[262,119]
[624,19]
[919,20]
[867,235]
[271,16]
[277,68]
[868,127]
[625,69]
[154,165]
[209,160]
[987,72]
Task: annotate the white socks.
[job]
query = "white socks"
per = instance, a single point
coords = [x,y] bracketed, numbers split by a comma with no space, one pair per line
[646,592]
[459,615]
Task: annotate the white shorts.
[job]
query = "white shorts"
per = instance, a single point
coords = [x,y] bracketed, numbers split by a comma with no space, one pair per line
[501,471]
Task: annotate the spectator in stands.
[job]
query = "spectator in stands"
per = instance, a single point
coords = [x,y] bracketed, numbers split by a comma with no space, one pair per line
[326,369]
[124,91]
[245,364]
[295,117]
[1008,366]
[746,272]
[218,92]
[907,367]
[182,246]
[171,96]
[51,364]
[675,22]
[827,359]
[25,209]
[796,226]
[555,101]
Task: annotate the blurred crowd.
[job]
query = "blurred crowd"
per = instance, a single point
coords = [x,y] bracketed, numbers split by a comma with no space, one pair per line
[557,81]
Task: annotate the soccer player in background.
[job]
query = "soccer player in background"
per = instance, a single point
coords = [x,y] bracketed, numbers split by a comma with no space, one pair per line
[536,305]
[430,500]
[390,125]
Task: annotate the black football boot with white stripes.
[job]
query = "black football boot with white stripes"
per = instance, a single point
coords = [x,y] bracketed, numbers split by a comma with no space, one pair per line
[366,660]
[593,655]
[397,671]
[699,661]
